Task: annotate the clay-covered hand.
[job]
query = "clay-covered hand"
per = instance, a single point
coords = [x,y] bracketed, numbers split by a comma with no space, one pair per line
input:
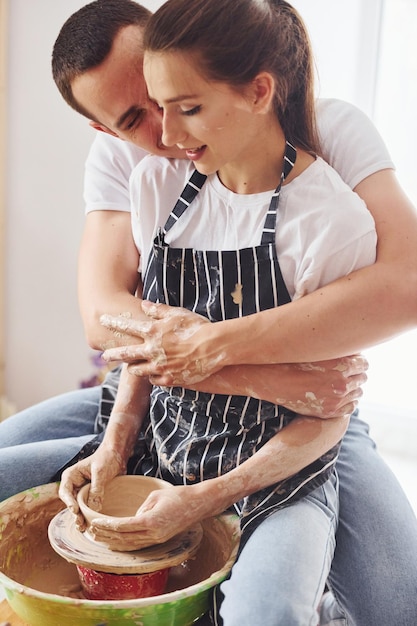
[99,468]
[173,350]
[164,514]
[324,389]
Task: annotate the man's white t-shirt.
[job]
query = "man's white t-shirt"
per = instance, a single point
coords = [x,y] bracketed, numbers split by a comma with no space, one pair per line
[350,143]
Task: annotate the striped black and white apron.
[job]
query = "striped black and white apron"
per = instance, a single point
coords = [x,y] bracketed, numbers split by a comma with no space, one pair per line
[194,436]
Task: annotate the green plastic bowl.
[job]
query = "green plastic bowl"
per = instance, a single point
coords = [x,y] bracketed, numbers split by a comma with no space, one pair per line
[29,571]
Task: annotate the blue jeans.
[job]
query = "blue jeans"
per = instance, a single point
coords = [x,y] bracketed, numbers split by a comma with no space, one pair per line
[280,575]
[373,575]
[374,571]
[37,442]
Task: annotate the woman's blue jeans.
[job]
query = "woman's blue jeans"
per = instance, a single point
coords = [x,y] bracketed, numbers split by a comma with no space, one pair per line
[280,575]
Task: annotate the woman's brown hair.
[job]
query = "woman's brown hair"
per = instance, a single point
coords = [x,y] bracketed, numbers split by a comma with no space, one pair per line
[234,40]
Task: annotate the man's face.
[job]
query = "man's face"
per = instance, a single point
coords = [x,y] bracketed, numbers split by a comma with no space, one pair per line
[115,94]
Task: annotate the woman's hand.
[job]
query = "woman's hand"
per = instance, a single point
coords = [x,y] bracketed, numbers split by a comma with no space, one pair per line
[325,389]
[99,469]
[164,514]
[171,353]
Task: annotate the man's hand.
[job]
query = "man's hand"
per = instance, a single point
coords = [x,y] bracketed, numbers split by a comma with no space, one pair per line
[324,389]
[171,351]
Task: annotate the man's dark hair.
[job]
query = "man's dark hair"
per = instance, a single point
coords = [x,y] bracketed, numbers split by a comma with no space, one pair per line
[86,39]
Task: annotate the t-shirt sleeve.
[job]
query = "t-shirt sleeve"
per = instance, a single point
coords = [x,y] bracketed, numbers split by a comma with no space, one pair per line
[350,142]
[107,171]
[347,242]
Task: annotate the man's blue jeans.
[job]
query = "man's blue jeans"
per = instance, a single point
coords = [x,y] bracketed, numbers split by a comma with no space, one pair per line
[37,442]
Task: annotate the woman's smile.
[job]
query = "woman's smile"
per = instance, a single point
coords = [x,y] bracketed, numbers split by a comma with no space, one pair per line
[194,154]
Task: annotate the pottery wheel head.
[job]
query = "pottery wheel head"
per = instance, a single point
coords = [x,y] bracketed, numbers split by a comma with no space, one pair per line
[77,547]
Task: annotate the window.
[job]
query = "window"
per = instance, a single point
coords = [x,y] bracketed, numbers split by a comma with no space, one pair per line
[393,372]
[366,53]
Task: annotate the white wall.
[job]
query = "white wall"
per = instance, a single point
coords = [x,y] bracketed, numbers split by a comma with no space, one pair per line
[344,36]
[46,352]
[47,143]
[45,348]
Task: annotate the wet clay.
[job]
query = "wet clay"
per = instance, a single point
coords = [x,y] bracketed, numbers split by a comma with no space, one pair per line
[27,557]
[122,496]
[237,295]
[81,549]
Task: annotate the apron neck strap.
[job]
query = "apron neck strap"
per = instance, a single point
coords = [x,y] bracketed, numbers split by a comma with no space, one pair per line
[197,180]
[290,156]
[188,194]
[268,233]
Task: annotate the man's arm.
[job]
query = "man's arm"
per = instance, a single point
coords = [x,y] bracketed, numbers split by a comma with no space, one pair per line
[360,310]
[107,283]
[107,274]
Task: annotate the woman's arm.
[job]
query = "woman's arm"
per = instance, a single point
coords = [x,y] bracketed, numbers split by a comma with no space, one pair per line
[163,515]
[110,459]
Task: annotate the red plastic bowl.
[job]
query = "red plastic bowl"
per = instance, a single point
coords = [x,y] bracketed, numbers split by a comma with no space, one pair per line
[106,586]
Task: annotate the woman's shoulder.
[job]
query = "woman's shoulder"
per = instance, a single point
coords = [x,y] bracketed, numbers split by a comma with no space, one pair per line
[320,192]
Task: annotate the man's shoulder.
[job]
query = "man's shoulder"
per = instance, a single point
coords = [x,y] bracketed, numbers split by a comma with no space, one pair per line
[334,109]
[105,147]
[163,166]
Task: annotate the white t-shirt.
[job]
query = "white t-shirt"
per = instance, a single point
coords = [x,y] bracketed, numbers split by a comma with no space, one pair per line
[350,142]
[324,229]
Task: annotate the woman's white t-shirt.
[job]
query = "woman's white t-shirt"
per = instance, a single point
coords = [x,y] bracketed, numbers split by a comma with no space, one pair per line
[324,230]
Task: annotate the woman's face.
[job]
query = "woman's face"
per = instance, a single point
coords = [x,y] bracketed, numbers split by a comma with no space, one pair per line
[211,120]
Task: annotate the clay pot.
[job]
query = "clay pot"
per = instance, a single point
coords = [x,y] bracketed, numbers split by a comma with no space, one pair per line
[122,496]
[106,579]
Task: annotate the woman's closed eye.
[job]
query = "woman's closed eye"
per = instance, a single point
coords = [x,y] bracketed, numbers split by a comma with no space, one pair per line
[192,111]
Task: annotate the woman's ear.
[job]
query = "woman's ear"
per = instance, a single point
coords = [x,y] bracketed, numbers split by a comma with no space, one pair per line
[262,92]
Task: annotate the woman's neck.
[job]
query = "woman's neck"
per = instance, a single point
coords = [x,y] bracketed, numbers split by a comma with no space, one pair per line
[260,167]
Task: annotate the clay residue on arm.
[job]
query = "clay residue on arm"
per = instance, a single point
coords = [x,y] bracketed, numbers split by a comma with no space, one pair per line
[324,389]
[297,445]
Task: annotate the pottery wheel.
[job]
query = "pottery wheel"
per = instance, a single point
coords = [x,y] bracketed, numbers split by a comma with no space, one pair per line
[77,547]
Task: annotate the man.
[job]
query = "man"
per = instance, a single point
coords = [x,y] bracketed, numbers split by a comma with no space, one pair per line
[343,318]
